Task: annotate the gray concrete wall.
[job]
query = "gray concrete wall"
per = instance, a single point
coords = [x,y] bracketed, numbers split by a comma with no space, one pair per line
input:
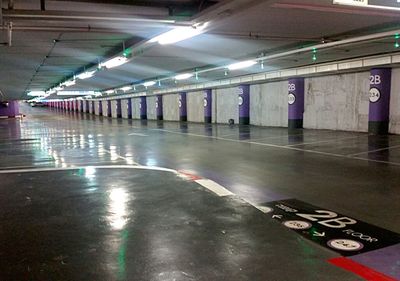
[114,108]
[195,106]
[171,107]
[96,107]
[104,104]
[394,124]
[227,107]
[135,108]
[151,108]
[124,108]
[337,102]
[269,104]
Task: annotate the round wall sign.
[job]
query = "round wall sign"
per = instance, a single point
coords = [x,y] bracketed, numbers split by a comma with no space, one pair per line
[240,100]
[180,103]
[374,95]
[205,102]
[291,98]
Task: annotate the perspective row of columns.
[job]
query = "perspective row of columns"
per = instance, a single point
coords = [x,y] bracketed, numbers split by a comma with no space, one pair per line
[379,96]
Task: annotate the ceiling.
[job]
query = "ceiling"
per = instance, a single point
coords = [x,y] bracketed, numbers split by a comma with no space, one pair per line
[53,40]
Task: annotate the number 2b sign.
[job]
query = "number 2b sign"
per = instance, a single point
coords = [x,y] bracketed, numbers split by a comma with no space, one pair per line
[340,233]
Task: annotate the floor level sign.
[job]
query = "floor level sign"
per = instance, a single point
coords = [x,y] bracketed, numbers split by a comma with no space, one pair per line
[343,234]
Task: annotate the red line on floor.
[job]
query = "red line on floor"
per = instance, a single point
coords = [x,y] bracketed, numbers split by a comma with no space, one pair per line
[361,270]
[191,176]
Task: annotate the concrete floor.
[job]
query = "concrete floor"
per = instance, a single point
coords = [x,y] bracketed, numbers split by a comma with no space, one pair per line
[58,224]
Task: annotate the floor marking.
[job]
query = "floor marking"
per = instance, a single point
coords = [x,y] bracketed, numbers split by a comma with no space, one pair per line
[137,134]
[372,151]
[359,269]
[284,147]
[326,141]
[189,175]
[214,187]
[152,168]
[130,161]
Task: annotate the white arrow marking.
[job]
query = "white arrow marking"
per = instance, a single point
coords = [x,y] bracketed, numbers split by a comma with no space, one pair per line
[319,234]
[277,216]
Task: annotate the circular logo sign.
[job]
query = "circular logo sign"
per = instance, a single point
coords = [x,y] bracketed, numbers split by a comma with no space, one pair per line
[297,224]
[291,99]
[140,105]
[205,102]
[345,244]
[180,103]
[240,100]
[374,95]
[156,104]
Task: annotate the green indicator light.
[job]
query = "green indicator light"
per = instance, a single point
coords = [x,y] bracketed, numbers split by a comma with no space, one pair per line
[397,45]
[314,57]
[314,50]
[397,36]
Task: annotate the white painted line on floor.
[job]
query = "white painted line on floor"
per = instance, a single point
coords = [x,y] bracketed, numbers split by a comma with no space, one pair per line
[214,187]
[286,147]
[326,141]
[137,134]
[84,167]
[372,151]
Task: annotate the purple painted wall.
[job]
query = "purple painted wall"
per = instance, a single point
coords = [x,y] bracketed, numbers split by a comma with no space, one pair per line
[11,110]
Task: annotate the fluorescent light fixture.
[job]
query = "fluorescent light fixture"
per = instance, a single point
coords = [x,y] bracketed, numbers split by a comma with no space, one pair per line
[109,91]
[114,62]
[183,76]
[36,93]
[86,75]
[87,97]
[149,83]
[69,83]
[51,91]
[242,64]
[179,34]
[126,88]
[59,88]
[75,93]
[97,94]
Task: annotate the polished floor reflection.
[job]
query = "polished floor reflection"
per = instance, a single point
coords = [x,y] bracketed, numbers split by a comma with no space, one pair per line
[88,223]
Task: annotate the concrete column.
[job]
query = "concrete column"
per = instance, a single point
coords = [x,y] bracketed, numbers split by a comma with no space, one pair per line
[244,104]
[159,107]
[182,107]
[87,106]
[81,106]
[119,109]
[143,108]
[208,106]
[109,112]
[100,105]
[295,103]
[93,111]
[9,109]
[379,101]
[129,108]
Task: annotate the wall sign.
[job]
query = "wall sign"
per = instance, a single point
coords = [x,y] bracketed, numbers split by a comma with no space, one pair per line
[291,98]
[374,95]
[340,233]
[240,100]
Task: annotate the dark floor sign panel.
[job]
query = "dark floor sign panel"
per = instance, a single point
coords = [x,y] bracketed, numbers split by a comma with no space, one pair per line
[343,234]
